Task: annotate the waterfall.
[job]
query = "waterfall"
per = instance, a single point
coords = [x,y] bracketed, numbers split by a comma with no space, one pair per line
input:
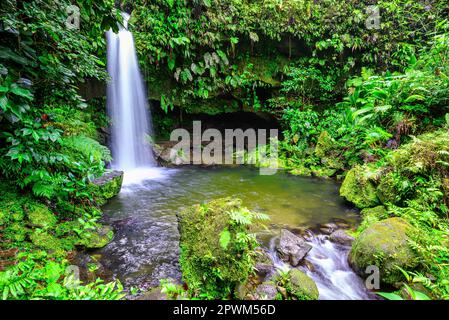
[127,103]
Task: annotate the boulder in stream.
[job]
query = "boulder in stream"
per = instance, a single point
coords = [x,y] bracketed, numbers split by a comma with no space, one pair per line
[292,248]
[341,237]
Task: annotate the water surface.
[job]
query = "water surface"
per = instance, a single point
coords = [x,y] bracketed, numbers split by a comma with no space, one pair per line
[145,248]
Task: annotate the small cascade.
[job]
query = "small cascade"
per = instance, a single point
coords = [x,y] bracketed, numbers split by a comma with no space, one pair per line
[331,271]
[127,103]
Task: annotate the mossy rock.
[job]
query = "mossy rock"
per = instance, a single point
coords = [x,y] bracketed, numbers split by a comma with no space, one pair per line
[154,294]
[107,186]
[323,172]
[40,216]
[211,259]
[372,215]
[358,189]
[301,171]
[47,241]
[387,190]
[386,245]
[96,239]
[301,286]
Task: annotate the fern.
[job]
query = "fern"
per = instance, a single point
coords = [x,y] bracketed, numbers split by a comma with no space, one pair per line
[86,147]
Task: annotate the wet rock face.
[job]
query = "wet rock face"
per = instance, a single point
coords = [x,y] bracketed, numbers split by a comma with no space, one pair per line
[292,248]
[386,245]
[107,186]
[341,237]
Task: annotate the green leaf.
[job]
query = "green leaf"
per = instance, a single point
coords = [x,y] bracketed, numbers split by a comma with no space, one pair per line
[421,296]
[18,91]
[3,102]
[413,98]
[171,62]
[225,238]
[389,295]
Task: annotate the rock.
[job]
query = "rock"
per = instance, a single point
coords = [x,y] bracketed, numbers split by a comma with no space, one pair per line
[264,264]
[301,171]
[97,238]
[372,215]
[387,191]
[283,292]
[358,189]
[266,291]
[328,228]
[302,286]
[292,248]
[154,294]
[386,245]
[208,234]
[309,265]
[40,216]
[341,237]
[107,186]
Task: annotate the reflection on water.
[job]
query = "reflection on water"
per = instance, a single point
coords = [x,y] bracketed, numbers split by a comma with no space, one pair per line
[145,248]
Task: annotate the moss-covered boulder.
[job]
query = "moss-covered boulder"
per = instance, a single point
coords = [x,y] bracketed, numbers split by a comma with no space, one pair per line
[40,216]
[97,238]
[301,286]
[386,245]
[387,190]
[213,258]
[107,186]
[372,215]
[358,189]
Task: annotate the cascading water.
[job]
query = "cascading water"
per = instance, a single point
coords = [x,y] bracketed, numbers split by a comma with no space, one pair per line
[331,272]
[127,103]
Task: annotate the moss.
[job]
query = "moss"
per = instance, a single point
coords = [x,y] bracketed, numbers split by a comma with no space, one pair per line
[386,245]
[387,190]
[96,239]
[213,262]
[301,286]
[301,171]
[372,215]
[323,172]
[40,216]
[358,189]
[47,241]
[107,186]
[16,232]
[324,144]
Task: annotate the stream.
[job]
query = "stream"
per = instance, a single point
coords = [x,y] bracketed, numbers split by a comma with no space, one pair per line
[145,248]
